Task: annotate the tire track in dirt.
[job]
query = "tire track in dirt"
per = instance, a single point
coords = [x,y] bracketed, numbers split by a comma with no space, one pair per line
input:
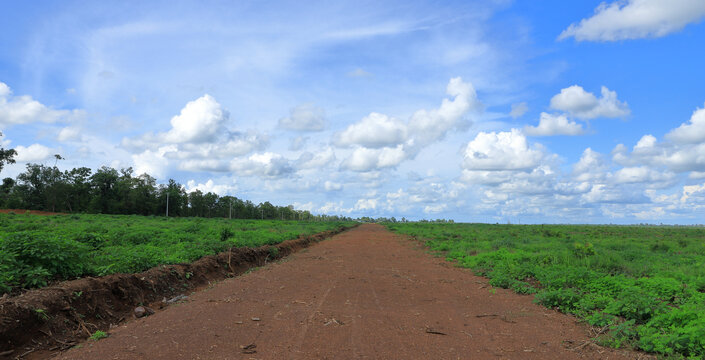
[363,294]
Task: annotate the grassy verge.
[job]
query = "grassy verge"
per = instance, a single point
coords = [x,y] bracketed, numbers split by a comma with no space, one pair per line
[644,285]
[35,250]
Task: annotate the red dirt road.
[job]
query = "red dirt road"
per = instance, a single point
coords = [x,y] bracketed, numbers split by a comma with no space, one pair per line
[363,294]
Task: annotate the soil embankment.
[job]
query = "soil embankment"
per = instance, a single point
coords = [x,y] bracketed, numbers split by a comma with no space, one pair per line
[365,293]
[41,322]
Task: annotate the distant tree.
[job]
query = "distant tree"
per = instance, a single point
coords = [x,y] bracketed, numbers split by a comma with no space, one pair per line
[6,156]
[103,190]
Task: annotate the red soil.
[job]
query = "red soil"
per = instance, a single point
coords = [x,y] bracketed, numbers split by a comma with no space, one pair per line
[365,293]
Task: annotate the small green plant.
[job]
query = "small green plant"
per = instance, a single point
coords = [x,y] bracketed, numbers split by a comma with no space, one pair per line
[273,251]
[98,335]
[77,294]
[41,314]
[188,275]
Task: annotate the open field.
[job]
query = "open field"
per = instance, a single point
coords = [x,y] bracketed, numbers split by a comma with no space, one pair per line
[644,287]
[35,250]
[362,294]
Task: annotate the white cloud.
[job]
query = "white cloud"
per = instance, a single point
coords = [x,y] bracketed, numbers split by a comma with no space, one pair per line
[210,186]
[486,177]
[364,159]
[365,204]
[518,109]
[551,125]
[298,143]
[590,167]
[501,151]
[635,19]
[428,126]
[373,131]
[16,110]
[582,104]
[683,154]
[642,174]
[152,162]
[320,159]
[262,164]
[200,121]
[332,186]
[305,117]
[692,132]
[69,134]
[199,139]
[434,209]
[33,153]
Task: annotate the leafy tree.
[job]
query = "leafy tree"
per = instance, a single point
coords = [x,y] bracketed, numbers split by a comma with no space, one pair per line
[6,156]
[103,190]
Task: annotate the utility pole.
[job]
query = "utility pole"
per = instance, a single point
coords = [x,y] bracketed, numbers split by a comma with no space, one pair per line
[167,204]
[231,210]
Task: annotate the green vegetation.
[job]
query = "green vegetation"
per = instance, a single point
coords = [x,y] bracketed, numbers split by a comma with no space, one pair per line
[35,250]
[644,285]
[98,335]
[109,191]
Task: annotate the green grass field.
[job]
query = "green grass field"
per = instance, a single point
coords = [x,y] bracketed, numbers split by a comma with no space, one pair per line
[645,286]
[35,250]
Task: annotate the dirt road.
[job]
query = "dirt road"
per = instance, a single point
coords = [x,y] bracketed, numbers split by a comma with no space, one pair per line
[364,294]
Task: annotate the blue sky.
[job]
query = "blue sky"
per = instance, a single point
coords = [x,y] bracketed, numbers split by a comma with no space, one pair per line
[491,111]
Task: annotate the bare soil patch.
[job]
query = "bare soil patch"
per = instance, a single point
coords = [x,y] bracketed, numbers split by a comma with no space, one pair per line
[365,293]
[41,322]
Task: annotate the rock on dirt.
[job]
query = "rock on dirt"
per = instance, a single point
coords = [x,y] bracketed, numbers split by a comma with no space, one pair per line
[142,311]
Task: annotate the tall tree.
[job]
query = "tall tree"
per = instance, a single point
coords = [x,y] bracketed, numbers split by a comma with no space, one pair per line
[6,156]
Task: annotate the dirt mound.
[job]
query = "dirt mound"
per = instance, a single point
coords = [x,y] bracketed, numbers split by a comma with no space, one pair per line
[58,316]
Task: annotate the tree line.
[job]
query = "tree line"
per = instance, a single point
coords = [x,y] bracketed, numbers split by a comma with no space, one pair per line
[112,191]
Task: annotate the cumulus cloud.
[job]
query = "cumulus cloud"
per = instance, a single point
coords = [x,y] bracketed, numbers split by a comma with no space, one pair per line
[262,164]
[33,153]
[199,138]
[332,186]
[69,134]
[15,110]
[691,132]
[518,109]
[200,121]
[551,125]
[152,162]
[365,204]
[210,186]
[431,125]
[585,105]
[380,141]
[507,150]
[373,131]
[309,160]
[682,154]
[642,174]
[364,159]
[590,167]
[305,117]
[635,19]
[298,143]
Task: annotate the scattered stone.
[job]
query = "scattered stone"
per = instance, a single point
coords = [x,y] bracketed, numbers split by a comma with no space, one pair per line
[142,311]
[175,299]
[255,319]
